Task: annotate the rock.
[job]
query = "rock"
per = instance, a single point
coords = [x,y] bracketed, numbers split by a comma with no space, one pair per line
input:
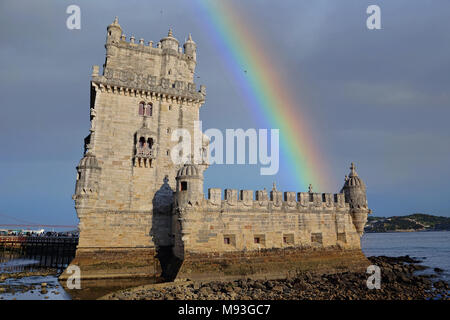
[438,270]
[259,285]
[205,291]
[398,282]
[269,284]
[440,284]
[277,288]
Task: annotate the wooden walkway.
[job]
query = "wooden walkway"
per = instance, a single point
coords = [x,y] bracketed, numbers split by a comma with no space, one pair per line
[50,252]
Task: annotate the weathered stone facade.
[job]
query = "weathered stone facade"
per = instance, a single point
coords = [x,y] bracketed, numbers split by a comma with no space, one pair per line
[283,227]
[135,204]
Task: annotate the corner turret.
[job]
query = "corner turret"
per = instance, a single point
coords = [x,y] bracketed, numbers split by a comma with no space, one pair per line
[189,189]
[88,172]
[355,195]
[169,42]
[114,32]
[190,48]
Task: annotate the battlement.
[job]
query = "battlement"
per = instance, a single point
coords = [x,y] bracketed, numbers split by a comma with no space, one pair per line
[163,68]
[128,82]
[152,47]
[295,201]
[166,58]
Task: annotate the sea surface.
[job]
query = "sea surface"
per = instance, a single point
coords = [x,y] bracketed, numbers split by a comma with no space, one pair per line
[432,248]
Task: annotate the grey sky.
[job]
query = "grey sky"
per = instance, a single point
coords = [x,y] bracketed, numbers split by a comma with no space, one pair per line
[379,98]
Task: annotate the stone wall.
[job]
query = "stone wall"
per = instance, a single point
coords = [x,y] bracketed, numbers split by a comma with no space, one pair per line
[236,224]
[257,237]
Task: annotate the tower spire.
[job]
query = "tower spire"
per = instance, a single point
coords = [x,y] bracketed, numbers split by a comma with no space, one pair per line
[353,171]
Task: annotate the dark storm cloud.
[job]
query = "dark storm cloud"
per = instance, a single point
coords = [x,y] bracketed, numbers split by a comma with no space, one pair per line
[379,98]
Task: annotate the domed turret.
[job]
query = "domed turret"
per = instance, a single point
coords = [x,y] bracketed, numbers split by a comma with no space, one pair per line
[89,161]
[190,48]
[88,172]
[114,31]
[187,171]
[353,180]
[169,42]
[355,195]
[354,189]
[189,184]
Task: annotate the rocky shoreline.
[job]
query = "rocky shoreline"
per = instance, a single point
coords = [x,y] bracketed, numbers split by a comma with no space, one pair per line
[398,282]
[20,288]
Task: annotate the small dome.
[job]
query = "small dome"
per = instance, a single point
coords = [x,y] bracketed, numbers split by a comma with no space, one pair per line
[169,42]
[115,23]
[189,40]
[353,180]
[89,161]
[188,170]
[169,37]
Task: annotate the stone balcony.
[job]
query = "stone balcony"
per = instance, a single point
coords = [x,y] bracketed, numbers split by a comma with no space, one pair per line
[145,152]
[144,157]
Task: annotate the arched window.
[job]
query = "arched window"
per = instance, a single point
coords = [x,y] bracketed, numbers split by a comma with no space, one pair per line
[149,110]
[150,142]
[141,142]
[141,108]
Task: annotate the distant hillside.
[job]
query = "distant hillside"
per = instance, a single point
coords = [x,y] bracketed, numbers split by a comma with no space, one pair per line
[412,222]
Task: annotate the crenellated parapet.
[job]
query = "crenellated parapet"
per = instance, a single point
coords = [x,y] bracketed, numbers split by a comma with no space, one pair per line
[131,83]
[166,46]
[287,201]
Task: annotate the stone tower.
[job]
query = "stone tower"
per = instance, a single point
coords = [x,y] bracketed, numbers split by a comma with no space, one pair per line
[355,195]
[144,214]
[126,179]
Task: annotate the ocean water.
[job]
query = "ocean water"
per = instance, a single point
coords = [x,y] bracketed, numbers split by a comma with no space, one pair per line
[432,248]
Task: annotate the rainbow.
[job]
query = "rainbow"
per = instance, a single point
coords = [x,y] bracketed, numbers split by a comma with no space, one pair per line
[268,96]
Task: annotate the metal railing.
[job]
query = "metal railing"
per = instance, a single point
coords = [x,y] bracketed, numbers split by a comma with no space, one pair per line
[47,252]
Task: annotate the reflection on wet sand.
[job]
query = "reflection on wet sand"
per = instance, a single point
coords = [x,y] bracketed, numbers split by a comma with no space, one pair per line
[20,279]
[93,289]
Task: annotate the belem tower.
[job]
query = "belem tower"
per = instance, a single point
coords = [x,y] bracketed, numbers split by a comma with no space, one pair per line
[142,215]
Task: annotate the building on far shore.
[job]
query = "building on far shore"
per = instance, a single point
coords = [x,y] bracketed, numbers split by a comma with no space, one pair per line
[38,232]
